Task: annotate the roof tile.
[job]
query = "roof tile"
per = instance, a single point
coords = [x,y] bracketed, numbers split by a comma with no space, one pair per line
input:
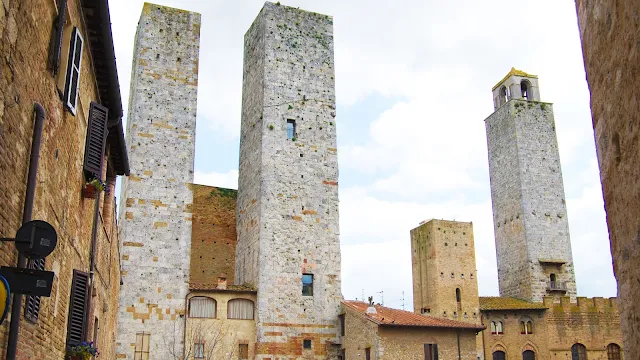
[508,303]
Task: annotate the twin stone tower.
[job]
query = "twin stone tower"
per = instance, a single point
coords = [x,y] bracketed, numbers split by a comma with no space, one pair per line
[287,206]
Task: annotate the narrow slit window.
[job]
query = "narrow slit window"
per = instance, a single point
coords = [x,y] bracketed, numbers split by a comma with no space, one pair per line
[291,129]
[458,297]
[306,344]
[307,284]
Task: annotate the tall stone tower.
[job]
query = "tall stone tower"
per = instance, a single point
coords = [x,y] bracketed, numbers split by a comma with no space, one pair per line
[155,224]
[444,270]
[529,211]
[288,235]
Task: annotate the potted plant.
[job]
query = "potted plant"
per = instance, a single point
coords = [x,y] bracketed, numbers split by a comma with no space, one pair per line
[83,351]
[92,188]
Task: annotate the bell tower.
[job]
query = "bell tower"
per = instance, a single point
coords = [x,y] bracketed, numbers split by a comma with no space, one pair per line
[529,207]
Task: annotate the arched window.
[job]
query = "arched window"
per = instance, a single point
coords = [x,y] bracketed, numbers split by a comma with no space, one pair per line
[578,352]
[499,327]
[493,327]
[525,88]
[458,299]
[202,307]
[496,327]
[613,352]
[504,95]
[528,355]
[499,355]
[552,277]
[526,327]
[240,309]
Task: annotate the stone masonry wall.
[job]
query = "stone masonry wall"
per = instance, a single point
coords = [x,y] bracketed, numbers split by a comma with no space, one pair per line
[610,38]
[408,343]
[25,32]
[444,260]
[213,237]
[288,193]
[530,216]
[155,230]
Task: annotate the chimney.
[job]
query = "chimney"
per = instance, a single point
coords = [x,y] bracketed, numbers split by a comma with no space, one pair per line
[222,282]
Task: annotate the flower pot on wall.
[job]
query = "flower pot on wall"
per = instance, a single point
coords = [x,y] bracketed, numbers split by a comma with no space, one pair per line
[89,191]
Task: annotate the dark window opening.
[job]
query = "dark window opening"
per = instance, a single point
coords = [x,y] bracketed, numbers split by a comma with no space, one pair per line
[291,129]
[552,277]
[306,344]
[342,324]
[525,88]
[458,294]
[307,284]
[430,351]
[367,353]
[578,352]
[499,355]
[528,355]
[504,95]
[613,352]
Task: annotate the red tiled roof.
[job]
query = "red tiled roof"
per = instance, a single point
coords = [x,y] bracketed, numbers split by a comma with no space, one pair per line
[393,317]
[214,287]
[508,303]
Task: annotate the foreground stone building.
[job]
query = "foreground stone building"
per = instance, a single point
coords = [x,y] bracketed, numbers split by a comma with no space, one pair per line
[609,33]
[58,64]
[537,315]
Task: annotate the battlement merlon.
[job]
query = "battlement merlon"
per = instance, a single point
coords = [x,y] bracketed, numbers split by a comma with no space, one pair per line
[582,304]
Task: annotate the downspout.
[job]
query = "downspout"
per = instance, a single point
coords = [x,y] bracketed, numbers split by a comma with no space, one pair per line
[14,327]
[92,262]
[458,336]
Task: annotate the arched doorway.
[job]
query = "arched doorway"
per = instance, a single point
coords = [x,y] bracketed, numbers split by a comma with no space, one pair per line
[528,355]
[499,355]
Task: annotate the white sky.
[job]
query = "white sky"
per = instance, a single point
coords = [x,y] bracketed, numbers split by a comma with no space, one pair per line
[414,81]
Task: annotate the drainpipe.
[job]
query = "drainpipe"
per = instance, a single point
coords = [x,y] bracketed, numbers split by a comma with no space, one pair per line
[14,327]
[92,262]
[458,336]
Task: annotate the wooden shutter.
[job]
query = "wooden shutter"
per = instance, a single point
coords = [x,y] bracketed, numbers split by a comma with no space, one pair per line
[431,351]
[96,139]
[73,71]
[77,326]
[56,36]
[32,303]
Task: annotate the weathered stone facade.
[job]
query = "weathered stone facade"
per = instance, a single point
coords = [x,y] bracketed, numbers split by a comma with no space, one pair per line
[529,210]
[557,326]
[444,270]
[156,220]
[27,77]
[213,236]
[288,193]
[609,33]
[390,334]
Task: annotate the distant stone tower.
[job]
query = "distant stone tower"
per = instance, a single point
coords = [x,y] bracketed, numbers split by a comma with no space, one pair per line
[155,223]
[444,270]
[288,236]
[529,212]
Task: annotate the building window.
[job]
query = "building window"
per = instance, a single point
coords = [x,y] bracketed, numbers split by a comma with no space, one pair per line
[430,351]
[243,351]
[198,351]
[504,95]
[367,353]
[525,88]
[499,355]
[307,284]
[32,303]
[341,318]
[72,78]
[496,327]
[77,325]
[141,351]
[306,344]
[291,129]
[526,327]
[202,307]
[613,352]
[458,294]
[579,352]
[528,355]
[240,309]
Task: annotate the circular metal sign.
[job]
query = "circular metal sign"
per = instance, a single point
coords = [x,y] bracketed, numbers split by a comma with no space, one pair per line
[36,239]
[5,293]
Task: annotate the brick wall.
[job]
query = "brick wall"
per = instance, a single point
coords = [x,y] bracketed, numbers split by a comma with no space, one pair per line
[213,236]
[25,31]
[610,38]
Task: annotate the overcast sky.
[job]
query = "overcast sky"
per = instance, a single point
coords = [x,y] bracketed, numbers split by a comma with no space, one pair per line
[414,81]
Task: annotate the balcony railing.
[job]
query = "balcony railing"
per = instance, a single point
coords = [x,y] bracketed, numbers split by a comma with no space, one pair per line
[557,286]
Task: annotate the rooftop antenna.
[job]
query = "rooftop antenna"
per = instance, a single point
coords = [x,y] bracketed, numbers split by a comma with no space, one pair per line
[381,297]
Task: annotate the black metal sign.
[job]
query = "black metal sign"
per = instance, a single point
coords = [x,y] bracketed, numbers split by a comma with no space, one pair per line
[28,281]
[36,239]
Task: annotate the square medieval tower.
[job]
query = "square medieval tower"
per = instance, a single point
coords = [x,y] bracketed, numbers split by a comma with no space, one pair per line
[529,210]
[288,235]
